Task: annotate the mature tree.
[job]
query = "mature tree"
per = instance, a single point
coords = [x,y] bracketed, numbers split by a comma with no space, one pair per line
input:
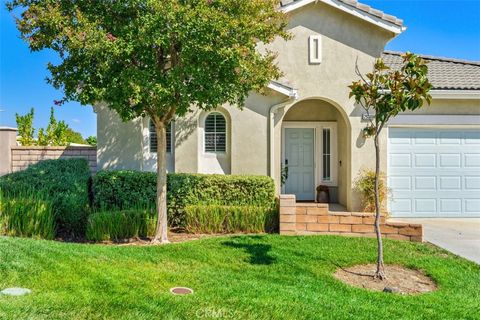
[25,128]
[92,140]
[155,58]
[384,93]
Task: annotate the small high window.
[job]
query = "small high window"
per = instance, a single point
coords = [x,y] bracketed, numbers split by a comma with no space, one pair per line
[153,138]
[315,49]
[215,133]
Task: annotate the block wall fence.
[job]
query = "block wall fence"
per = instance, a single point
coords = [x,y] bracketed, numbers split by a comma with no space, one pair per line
[15,158]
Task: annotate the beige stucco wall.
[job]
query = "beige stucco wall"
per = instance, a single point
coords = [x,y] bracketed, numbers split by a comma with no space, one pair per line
[120,144]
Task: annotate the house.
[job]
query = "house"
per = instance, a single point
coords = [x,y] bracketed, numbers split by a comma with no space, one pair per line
[307,122]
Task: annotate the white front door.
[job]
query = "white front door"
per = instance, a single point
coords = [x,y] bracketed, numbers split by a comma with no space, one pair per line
[434,172]
[300,161]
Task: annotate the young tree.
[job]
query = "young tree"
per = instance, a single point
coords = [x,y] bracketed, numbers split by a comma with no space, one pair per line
[25,128]
[384,93]
[56,133]
[155,58]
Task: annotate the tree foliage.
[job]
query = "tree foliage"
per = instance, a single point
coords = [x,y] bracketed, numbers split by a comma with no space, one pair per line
[56,133]
[147,57]
[25,128]
[386,93]
[73,136]
[92,140]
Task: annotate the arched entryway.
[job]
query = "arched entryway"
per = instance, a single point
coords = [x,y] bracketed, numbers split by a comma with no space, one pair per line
[315,146]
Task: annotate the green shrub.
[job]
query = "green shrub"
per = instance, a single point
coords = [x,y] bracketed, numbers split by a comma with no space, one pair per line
[64,182]
[365,185]
[229,219]
[117,190]
[124,189]
[121,225]
[28,215]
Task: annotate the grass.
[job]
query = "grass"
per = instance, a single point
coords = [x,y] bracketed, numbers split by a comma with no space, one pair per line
[242,277]
[120,225]
[27,215]
[229,219]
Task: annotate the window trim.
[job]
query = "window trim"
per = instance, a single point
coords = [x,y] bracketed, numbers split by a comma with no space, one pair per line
[204,120]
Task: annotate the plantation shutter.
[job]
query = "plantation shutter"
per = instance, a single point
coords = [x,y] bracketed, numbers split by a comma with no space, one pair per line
[215,133]
[153,138]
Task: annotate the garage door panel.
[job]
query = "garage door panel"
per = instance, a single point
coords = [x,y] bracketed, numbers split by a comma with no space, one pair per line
[450,183]
[400,160]
[401,206]
[472,206]
[425,160]
[472,160]
[400,183]
[450,160]
[426,183]
[448,206]
[450,137]
[434,173]
[425,205]
[425,138]
[472,183]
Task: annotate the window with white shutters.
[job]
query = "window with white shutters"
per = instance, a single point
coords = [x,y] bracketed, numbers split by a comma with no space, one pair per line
[215,133]
[153,138]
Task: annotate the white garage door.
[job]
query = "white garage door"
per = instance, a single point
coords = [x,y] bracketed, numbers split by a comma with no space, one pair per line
[434,172]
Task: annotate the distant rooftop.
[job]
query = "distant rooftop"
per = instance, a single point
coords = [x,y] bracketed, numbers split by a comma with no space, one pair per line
[444,73]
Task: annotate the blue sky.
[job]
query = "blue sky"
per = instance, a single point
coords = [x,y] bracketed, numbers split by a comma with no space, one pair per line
[435,27]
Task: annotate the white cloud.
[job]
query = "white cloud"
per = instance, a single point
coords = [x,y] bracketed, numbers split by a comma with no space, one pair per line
[76,120]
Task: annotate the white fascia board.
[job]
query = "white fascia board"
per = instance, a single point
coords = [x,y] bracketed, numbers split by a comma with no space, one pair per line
[283,89]
[455,94]
[348,9]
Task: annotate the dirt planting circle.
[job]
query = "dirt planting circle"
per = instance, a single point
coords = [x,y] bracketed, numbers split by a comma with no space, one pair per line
[399,280]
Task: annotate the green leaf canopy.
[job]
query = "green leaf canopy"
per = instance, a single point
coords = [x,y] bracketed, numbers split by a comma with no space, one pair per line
[153,57]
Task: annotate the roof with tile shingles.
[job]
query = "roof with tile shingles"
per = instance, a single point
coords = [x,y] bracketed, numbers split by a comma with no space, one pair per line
[444,73]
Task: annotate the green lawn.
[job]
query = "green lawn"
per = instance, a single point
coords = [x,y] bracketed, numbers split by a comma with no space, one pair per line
[248,277]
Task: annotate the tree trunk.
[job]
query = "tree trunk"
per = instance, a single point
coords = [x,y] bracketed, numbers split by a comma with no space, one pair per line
[161,232]
[380,272]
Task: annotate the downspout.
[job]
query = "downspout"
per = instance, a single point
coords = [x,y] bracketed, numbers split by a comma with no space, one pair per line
[273,110]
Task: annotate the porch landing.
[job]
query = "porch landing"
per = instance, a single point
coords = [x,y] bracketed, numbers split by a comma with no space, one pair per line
[300,218]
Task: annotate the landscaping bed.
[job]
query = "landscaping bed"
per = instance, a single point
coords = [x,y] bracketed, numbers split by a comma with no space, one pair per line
[59,199]
[238,277]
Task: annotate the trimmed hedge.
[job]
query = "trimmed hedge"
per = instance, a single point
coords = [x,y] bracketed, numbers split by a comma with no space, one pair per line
[64,183]
[121,225]
[27,216]
[130,189]
[229,219]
